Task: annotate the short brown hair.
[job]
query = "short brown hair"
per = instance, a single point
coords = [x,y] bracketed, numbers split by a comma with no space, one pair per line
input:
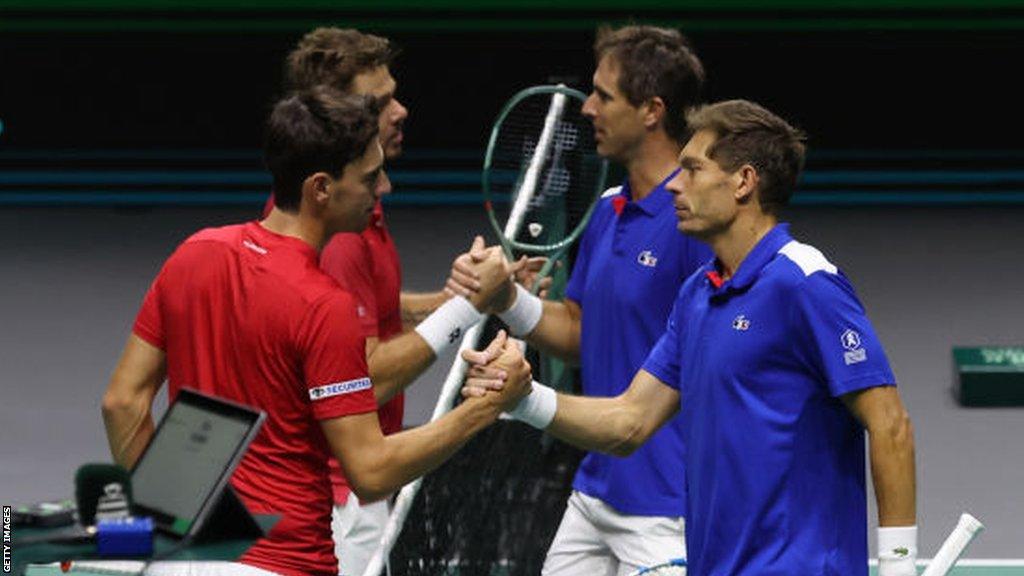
[747,133]
[655,62]
[334,56]
[318,130]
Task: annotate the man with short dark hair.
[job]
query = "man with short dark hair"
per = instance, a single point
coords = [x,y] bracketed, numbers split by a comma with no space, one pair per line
[244,312]
[624,513]
[401,342]
[777,371]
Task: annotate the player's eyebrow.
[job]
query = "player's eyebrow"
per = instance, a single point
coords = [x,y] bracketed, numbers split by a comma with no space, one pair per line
[384,99]
[687,161]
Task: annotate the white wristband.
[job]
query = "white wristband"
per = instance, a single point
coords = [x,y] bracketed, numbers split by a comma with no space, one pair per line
[538,408]
[448,323]
[897,550]
[524,314]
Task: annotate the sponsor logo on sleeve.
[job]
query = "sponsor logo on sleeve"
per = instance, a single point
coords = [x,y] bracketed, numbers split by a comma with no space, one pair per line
[339,388]
[854,353]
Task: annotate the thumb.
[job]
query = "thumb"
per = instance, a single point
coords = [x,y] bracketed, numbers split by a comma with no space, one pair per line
[492,351]
[518,265]
[478,244]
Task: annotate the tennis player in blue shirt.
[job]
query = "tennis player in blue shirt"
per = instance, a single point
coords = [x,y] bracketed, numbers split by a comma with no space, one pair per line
[624,513]
[776,369]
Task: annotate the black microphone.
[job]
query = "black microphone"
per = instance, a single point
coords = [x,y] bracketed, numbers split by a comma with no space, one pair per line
[102,492]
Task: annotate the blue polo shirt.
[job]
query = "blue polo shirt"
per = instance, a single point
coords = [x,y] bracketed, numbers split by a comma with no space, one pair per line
[775,461]
[630,264]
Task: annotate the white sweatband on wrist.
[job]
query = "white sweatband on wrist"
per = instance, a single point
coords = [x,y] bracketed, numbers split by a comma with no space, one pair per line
[538,408]
[446,325]
[897,545]
[524,314]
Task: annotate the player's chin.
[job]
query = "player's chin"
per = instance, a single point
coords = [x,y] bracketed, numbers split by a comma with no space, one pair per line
[393,149]
[606,150]
[359,223]
[687,224]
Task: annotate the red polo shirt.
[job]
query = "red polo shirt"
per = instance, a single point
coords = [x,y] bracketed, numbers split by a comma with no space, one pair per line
[366,265]
[248,315]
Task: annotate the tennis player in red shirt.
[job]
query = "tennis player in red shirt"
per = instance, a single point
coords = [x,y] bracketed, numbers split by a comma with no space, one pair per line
[244,312]
[401,341]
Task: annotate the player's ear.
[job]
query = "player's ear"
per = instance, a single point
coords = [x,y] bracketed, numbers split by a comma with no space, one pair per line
[653,112]
[316,188]
[746,180]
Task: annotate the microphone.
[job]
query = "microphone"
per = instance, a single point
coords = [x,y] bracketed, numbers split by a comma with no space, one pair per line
[102,492]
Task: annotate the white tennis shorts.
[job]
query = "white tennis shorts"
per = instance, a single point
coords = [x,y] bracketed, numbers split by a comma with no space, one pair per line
[596,540]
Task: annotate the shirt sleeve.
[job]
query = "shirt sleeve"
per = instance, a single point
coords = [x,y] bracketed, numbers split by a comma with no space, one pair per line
[663,360]
[839,341]
[347,259]
[149,322]
[334,359]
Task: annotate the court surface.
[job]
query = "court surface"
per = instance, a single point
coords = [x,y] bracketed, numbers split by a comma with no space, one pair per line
[979,567]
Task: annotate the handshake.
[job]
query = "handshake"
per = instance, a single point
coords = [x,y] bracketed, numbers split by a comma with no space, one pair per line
[498,373]
[486,278]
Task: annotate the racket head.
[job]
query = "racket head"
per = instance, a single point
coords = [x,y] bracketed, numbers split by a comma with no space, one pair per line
[541,153]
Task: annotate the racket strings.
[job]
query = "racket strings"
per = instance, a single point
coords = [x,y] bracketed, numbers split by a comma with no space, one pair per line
[564,181]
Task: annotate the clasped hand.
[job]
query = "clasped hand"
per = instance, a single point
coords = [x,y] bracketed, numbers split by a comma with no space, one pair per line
[498,369]
[485,277]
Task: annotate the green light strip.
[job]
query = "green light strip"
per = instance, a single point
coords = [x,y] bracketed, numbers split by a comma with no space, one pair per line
[251,25]
[478,6]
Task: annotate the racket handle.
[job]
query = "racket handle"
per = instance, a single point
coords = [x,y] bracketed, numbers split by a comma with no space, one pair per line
[966,529]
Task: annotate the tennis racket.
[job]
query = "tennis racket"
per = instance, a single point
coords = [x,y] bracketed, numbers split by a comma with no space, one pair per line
[542,173]
[966,529]
[675,567]
[541,178]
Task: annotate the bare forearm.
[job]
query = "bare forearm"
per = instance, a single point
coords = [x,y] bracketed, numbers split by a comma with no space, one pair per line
[893,474]
[128,401]
[129,425]
[600,424]
[408,455]
[394,364]
[417,306]
[558,332]
[616,425]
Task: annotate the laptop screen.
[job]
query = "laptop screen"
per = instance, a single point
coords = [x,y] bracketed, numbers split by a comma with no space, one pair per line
[190,458]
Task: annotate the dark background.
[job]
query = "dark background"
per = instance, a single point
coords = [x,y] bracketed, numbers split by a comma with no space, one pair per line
[907,98]
[857,89]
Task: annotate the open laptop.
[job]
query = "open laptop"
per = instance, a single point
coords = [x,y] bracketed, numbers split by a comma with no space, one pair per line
[182,476]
